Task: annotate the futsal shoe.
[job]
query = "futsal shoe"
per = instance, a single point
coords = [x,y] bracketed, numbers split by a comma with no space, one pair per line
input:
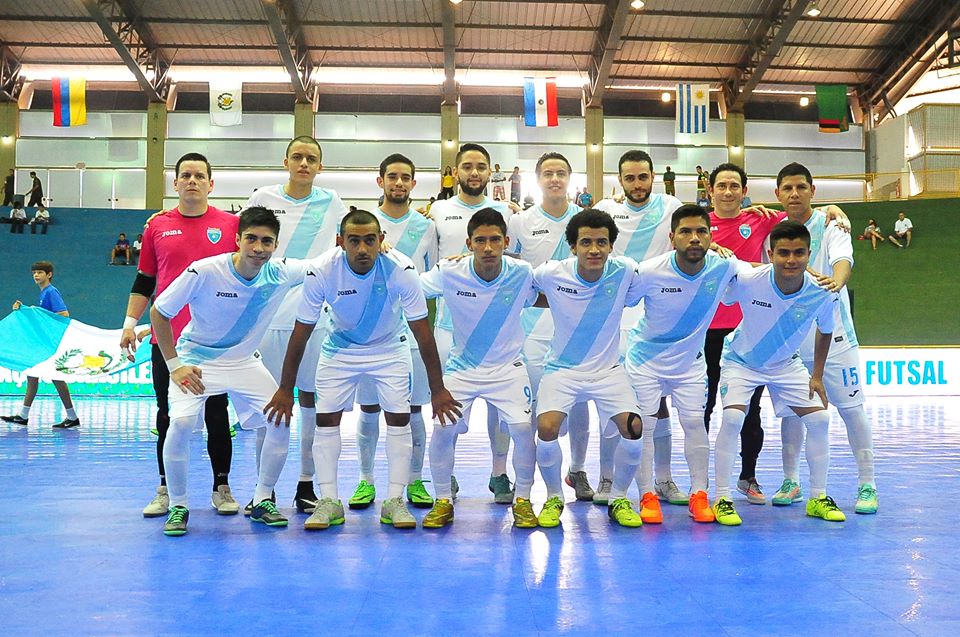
[867,502]
[160,505]
[177,521]
[418,496]
[523,515]
[15,420]
[67,423]
[501,489]
[394,511]
[440,515]
[329,512]
[581,485]
[621,512]
[306,499]
[788,493]
[726,513]
[363,496]
[650,511]
[668,491]
[266,513]
[751,489]
[248,510]
[699,508]
[602,494]
[223,501]
[550,513]
[825,508]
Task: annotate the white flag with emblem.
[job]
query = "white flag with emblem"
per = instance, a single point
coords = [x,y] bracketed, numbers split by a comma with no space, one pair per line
[226,104]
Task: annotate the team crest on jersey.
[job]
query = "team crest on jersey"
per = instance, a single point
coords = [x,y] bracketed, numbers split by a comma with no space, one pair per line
[799,313]
[214,234]
[265,293]
[710,286]
[507,299]
[610,289]
[379,288]
[745,230]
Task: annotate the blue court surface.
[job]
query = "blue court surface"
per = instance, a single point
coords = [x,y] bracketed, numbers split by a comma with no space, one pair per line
[77,558]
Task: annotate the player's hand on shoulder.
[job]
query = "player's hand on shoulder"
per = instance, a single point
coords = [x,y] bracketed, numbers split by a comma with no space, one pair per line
[456,257]
[154,216]
[280,408]
[619,198]
[187,378]
[445,408]
[514,206]
[761,211]
[385,247]
[726,253]
[836,213]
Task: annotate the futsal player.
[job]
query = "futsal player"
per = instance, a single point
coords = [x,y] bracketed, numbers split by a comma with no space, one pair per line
[485,293]
[587,294]
[309,216]
[232,298]
[781,302]
[831,255]
[415,236]
[370,296]
[537,235]
[173,240]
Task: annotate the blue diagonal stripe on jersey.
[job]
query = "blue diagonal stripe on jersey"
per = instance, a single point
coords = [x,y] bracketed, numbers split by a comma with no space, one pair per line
[642,237]
[815,224]
[597,312]
[244,324]
[298,244]
[809,299]
[416,228]
[847,321]
[372,311]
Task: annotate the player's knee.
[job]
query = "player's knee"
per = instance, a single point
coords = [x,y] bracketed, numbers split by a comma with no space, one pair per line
[329,420]
[396,420]
[370,409]
[307,399]
[630,426]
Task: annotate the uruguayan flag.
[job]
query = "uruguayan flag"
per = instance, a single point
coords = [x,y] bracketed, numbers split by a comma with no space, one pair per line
[55,347]
[693,108]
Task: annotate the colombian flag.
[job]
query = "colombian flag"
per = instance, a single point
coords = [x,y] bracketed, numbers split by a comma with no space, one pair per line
[69,101]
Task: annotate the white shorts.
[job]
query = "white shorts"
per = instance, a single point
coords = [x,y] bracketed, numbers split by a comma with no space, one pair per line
[338,378]
[688,391]
[610,391]
[420,390]
[841,377]
[505,388]
[534,355]
[273,348]
[789,385]
[248,384]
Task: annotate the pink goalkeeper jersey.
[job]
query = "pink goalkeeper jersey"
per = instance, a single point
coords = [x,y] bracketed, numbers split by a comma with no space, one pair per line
[172,242]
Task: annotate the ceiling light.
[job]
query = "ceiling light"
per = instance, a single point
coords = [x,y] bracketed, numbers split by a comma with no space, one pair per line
[637,4]
[455,1]
[665,96]
[804,101]
[813,10]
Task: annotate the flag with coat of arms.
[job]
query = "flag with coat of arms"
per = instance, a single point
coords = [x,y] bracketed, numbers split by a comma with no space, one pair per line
[693,108]
[226,103]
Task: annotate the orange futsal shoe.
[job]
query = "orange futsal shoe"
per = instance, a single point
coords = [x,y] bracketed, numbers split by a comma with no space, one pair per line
[700,509]
[650,511]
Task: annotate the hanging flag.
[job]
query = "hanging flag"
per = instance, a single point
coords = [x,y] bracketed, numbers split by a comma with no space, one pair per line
[540,101]
[226,104]
[833,108]
[693,108]
[69,101]
[56,347]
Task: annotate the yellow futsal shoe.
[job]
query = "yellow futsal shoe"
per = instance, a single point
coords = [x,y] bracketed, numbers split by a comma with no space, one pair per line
[523,515]
[621,512]
[550,513]
[725,512]
[825,508]
[440,515]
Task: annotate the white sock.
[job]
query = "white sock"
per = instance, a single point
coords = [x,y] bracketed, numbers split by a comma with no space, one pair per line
[368,433]
[662,449]
[71,413]
[25,412]
[818,450]
[442,452]
[418,432]
[524,457]
[644,475]
[726,448]
[399,448]
[860,435]
[608,447]
[627,460]
[791,437]
[261,436]
[499,441]
[308,425]
[696,449]
[176,458]
[326,456]
[578,431]
[274,455]
[549,458]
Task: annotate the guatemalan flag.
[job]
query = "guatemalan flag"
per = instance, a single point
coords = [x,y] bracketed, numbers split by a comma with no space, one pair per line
[540,101]
[69,101]
[693,108]
[56,347]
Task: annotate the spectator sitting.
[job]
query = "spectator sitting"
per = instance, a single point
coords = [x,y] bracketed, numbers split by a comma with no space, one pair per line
[135,250]
[18,217]
[902,230]
[872,232]
[120,250]
[40,217]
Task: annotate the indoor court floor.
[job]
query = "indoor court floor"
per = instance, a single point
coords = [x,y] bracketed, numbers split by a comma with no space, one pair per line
[77,558]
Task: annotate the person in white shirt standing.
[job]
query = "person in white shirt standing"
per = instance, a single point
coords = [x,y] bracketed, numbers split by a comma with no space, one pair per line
[902,231]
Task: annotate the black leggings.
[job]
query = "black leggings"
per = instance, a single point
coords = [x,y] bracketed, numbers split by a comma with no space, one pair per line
[219,445]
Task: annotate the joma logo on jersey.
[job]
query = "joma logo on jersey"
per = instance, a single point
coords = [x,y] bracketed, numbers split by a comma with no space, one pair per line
[170,233]
[345,292]
[464,293]
[561,288]
[670,290]
[536,233]
[621,216]
[227,295]
[761,303]
[454,218]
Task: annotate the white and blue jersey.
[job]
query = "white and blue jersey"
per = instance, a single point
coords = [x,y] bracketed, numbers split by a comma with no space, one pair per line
[537,237]
[451,217]
[678,309]
[587,315]
[774,324]
[412,234]
[829,244]
[228,314]
[368,311]
[308,228]
[485,314]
